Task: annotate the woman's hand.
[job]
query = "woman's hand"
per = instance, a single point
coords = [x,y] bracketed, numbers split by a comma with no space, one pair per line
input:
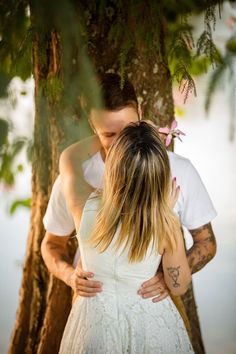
[174,193]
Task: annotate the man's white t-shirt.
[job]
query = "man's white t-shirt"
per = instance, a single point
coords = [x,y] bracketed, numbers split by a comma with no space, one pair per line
[194,206]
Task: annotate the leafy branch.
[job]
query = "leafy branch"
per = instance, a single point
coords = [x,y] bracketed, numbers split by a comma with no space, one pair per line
[185,80]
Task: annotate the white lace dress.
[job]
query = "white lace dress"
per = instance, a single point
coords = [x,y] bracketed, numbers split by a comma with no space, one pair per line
[118,320]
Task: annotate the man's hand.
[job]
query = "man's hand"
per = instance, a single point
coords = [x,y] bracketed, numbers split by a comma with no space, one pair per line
[80,283]
[56,257]
[154,287]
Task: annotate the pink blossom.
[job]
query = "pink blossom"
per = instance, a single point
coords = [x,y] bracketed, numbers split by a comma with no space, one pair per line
[171,132]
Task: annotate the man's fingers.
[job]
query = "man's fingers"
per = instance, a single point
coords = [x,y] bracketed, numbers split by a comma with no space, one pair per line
[85,289]
[153,288]
[88,283]
[84,294]
[83,274]
[153,293]
[160,297]
[150,282]
[154,280]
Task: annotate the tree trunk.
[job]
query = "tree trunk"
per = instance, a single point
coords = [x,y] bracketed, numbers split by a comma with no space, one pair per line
[45,302]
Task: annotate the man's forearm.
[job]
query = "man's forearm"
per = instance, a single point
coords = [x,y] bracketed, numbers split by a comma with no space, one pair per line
[203,249]
[57,261]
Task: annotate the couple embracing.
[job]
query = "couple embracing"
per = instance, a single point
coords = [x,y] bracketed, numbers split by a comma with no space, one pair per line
[128,214]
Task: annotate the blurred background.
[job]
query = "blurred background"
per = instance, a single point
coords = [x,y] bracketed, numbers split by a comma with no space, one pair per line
[211,148]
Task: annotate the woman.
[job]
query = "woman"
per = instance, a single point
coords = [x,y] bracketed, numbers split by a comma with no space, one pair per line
[124,234]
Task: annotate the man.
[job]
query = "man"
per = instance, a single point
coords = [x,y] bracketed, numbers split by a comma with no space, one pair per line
[194,206]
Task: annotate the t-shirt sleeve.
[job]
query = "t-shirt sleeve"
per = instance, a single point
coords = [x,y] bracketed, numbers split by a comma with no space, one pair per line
[198,208]
[57,219]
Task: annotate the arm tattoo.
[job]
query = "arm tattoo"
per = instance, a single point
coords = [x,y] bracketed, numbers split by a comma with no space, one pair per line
[173,273]
[63,256]
[203,249]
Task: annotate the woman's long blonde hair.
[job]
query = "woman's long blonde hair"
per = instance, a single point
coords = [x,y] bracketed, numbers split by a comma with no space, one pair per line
[136,194]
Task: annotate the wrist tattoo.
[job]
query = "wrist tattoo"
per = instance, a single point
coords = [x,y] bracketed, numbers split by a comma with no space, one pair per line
[173,273]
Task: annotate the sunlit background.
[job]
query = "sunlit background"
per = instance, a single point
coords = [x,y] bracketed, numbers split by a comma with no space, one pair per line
[208,146]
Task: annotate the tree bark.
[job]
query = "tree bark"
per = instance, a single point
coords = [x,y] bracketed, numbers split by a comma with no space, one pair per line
[45,301]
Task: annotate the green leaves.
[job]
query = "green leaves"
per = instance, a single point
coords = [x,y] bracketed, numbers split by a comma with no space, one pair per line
[207,48]
[8,158]
[26,203]
[15,43]
[231,45]
[4,82]
[4,127]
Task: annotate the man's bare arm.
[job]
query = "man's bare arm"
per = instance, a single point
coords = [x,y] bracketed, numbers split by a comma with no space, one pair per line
[55,254]
[56,257]
[75,188]
[203,249]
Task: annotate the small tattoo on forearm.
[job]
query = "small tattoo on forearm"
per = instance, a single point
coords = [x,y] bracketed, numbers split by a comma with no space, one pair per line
[173,273]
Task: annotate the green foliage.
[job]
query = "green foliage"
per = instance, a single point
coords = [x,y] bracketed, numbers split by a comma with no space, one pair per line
[26,203]
[231,45]
[148,27]
[180,58]
[185,80]
[199,66]
[29,150]
[4,127]
[9,151]
[205,46]
[187,59]
[137,25]
[134,24]
[16,42]
[4,82]
[215,79]
[219,76]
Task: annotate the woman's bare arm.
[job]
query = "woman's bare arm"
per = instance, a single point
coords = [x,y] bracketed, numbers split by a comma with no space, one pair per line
[177,273]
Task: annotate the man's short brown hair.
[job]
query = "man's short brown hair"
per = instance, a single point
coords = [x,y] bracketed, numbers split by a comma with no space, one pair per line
[115,93]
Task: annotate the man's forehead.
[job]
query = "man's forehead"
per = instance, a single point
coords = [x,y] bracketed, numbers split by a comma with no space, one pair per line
[113,118]
[110,126]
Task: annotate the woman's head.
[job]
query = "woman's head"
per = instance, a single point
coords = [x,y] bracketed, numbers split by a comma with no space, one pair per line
[137,166]
[136,192]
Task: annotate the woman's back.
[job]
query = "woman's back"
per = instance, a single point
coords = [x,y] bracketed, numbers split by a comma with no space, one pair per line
[118,320]
[112,267]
